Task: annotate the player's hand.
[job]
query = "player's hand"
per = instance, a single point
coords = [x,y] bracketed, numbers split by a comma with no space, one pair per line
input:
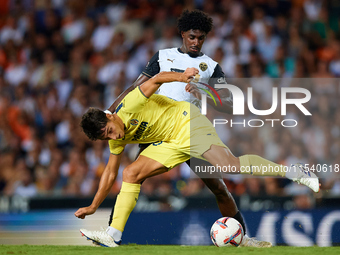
[82,212]
[192,88]
[189,74]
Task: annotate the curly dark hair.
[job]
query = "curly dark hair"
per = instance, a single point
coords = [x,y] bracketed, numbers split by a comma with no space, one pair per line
[195,19]
[93,123]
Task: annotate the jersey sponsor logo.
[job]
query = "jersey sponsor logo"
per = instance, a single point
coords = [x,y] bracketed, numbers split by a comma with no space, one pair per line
[176,70]
[134,122]
[185,113]
[203,66]
[170,60]
[140,131]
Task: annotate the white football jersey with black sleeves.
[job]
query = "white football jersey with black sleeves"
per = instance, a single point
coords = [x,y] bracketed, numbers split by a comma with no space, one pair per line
[173,60]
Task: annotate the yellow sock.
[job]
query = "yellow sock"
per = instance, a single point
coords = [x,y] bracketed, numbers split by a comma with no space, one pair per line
[126,201]
[258,166]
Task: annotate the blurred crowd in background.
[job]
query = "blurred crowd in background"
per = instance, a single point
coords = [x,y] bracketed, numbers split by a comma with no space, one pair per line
[59,57]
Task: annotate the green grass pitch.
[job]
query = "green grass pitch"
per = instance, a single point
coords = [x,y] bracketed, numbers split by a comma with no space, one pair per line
[159,249]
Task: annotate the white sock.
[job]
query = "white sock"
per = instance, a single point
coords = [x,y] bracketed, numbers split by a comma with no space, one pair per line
[292,173]
[115,233]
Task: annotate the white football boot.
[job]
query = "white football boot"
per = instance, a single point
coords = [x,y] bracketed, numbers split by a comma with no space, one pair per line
[305,177]
[95,244]
[100,238]
[253,242]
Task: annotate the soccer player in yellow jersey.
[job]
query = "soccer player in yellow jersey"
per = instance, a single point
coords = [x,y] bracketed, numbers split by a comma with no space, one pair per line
[178,132]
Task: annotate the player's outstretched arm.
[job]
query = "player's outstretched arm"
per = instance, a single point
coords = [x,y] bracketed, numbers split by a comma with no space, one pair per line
[150,87]
[106,181]
[140,80]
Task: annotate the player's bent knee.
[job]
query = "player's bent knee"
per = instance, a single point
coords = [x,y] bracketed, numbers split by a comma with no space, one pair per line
[132,175]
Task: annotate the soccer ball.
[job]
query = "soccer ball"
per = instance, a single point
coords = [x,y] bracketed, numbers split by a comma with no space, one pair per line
[226,231]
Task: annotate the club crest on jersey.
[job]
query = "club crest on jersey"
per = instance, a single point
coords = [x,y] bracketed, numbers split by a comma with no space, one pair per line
[203,66]
[134,122]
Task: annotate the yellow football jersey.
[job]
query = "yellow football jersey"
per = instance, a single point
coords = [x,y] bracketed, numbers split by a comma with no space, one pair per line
[150,120]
